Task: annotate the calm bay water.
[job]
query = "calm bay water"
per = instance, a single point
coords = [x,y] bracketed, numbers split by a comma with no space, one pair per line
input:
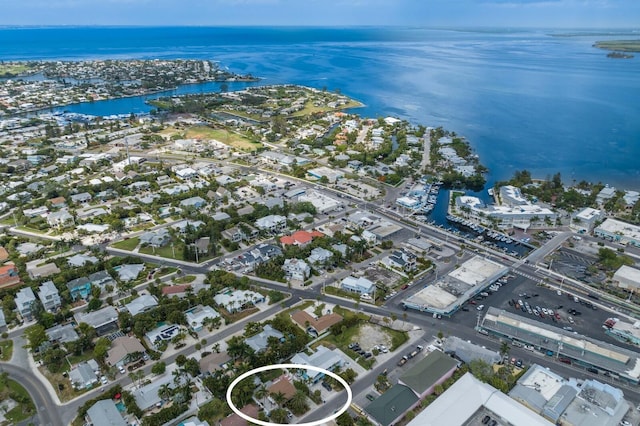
[524,99]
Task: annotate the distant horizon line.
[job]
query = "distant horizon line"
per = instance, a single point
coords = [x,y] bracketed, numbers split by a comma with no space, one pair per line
[328,26]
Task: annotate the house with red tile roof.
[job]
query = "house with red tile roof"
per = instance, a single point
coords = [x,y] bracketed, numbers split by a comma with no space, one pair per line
[9,276]
[300,238]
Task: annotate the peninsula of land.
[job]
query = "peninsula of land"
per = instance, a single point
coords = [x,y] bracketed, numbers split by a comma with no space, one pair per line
[618,46]
[34,85]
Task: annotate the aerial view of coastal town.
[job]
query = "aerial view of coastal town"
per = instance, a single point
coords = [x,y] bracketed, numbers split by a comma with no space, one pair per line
[210,218]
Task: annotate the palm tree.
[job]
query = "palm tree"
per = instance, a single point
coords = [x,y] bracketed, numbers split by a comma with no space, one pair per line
[262,393]
[165,391]
[298,402]
[279,397]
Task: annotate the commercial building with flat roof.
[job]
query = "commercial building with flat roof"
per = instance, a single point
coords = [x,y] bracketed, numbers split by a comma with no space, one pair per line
[570,402]
[627,278]
[469,400]
[581,350]
[446,296]
[618,231]
[626,332]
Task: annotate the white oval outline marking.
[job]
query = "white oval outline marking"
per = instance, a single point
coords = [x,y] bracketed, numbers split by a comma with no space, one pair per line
[289,366]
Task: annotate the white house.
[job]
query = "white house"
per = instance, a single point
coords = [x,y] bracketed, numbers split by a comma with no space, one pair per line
[296,269]
[358,285]
[237,300]
[272,223]
[197,316]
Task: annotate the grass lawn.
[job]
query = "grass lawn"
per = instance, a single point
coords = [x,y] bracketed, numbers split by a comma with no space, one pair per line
[165,270]
[61,384]
[8,70]
[128,244]
[33,230]
[233,139]
[165,251]
[15,391]
[76,359]
[310,108]
[8,221]
[6,346]
[185,280]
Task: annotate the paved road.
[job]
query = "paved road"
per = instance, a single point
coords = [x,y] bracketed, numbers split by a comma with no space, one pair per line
[48,414]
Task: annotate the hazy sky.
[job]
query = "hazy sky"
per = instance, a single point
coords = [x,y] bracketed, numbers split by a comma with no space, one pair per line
[505,13]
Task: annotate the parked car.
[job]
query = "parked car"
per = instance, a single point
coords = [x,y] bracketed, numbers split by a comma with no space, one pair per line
[121,369]
[104,380]
[481,307]
[327,386]
[370,397]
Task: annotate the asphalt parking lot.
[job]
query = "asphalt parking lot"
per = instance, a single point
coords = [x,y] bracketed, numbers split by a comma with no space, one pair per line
[574,265]
[589,322]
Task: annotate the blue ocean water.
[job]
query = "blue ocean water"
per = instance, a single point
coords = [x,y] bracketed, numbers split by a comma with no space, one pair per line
[523,98]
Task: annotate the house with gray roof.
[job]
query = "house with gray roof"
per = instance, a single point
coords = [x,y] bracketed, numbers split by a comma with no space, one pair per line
[129,272]
[24,300]
[105,413]
[141,304]
[156,238]
[429,372]
[102,279]
[104,320]
[49,296]
[79,260]
[319,256]
[83,376]
[259,342]
[196,202]
[82,198]
[62,333]
[468,351]
[60,219]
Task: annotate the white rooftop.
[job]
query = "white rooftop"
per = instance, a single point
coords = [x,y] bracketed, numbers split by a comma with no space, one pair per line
[614,226]
[464,398]
[476,270]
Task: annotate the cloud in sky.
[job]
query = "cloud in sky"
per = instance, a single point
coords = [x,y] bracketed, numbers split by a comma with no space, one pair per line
[512,13]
